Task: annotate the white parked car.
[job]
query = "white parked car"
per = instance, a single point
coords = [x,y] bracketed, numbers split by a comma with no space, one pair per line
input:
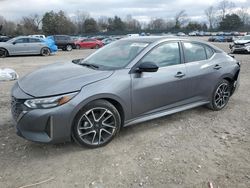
[241,45]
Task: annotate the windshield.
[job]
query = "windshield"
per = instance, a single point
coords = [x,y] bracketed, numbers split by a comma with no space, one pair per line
[246,37]
[116,55]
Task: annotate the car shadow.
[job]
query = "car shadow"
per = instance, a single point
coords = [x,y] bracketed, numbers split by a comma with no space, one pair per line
[39,150]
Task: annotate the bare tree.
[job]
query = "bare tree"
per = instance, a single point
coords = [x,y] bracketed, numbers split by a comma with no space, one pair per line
[103,23]
[81,17]
[210,14]
[244,15]
[7,27]
[132,24]
[224,6]
[180,18]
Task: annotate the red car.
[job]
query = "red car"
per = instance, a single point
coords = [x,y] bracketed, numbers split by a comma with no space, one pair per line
[88,43]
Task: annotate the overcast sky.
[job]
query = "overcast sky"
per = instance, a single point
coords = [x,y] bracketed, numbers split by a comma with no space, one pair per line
[142,10]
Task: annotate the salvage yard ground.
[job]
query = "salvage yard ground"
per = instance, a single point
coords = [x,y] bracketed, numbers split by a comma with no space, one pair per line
[187,149]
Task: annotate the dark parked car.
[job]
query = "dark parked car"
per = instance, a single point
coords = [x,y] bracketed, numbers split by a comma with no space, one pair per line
[4,38]
[126,82]
[64,42]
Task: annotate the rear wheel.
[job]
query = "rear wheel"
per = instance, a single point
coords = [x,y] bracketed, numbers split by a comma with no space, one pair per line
[97,124]
[3,52]
[221,95]
[69,47]
[45,51]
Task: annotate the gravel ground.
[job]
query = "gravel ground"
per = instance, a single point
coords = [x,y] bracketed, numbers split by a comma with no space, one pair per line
[187,149]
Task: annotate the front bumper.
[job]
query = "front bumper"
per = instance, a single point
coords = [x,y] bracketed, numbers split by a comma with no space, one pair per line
[240,48]
[41,125]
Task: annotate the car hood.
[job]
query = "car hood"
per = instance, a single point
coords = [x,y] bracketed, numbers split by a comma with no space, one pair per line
[60,78]
[241,41]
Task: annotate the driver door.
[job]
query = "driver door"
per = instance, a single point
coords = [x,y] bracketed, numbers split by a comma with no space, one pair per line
[166,88]
[20,46]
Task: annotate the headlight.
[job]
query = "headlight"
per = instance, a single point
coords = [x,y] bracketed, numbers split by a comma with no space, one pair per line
[247,44]
[49,102]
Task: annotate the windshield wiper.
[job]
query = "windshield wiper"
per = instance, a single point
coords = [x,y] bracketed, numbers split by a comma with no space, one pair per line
[90,65]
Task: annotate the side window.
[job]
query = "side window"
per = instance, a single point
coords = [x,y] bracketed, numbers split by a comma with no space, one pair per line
[22,40]
[164,55]
[194,52]
[209,52]
[32,40]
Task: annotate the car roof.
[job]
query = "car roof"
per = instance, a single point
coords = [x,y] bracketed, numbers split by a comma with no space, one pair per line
[26,37]
[152,39]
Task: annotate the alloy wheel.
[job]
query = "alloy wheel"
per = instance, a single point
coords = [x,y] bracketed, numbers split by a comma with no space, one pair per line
[96,126]
[68,47]
[222,95]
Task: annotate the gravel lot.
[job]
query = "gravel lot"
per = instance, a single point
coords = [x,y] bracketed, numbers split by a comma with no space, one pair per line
[187,149]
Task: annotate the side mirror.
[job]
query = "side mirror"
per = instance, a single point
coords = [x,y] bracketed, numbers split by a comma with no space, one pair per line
[77,61]
[13,43]
[148,67]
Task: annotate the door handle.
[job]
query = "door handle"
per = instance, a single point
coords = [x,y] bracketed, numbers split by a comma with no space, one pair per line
[179,75]
[217,67]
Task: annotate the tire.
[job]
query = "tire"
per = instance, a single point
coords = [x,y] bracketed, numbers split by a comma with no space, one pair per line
[78,47]
[97,46]
[220,96]
[45,51]
[96,130]
[68,47]
[3,53]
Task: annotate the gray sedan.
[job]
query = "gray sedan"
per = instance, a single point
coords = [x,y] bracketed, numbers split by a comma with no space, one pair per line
[129,81]
[24,46]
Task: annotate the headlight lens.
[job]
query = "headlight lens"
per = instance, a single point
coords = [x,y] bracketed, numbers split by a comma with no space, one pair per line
[49,102]
[247,44]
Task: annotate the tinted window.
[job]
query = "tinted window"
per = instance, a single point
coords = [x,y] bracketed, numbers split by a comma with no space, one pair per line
[194,52]
[22,40]
[116,55]
[88,40]
[209,52]
[32,40]
[164,55]
[61,37]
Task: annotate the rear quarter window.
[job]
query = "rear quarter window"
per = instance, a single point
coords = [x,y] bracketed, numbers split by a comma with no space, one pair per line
[209,51]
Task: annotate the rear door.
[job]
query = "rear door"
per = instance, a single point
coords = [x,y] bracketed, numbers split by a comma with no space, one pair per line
[163,89]
[35,45]
[202,70]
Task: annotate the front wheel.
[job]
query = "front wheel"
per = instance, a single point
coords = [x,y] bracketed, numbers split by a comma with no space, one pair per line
[69,47]
[220,96]
[96,124]
[3,53]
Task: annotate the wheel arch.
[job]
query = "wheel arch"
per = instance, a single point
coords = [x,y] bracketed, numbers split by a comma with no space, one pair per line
[114,100]
[6,50]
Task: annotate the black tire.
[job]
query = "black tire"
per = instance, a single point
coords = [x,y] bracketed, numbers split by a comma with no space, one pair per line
[220,97]
[96,130]
[45,51]
[3,53]
[68,47]
[78,47]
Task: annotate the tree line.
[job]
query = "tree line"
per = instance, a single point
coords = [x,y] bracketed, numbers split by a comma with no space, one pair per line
[224,17]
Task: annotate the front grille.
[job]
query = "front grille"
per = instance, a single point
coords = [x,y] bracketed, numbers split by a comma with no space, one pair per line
[239,45]
[16,107]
